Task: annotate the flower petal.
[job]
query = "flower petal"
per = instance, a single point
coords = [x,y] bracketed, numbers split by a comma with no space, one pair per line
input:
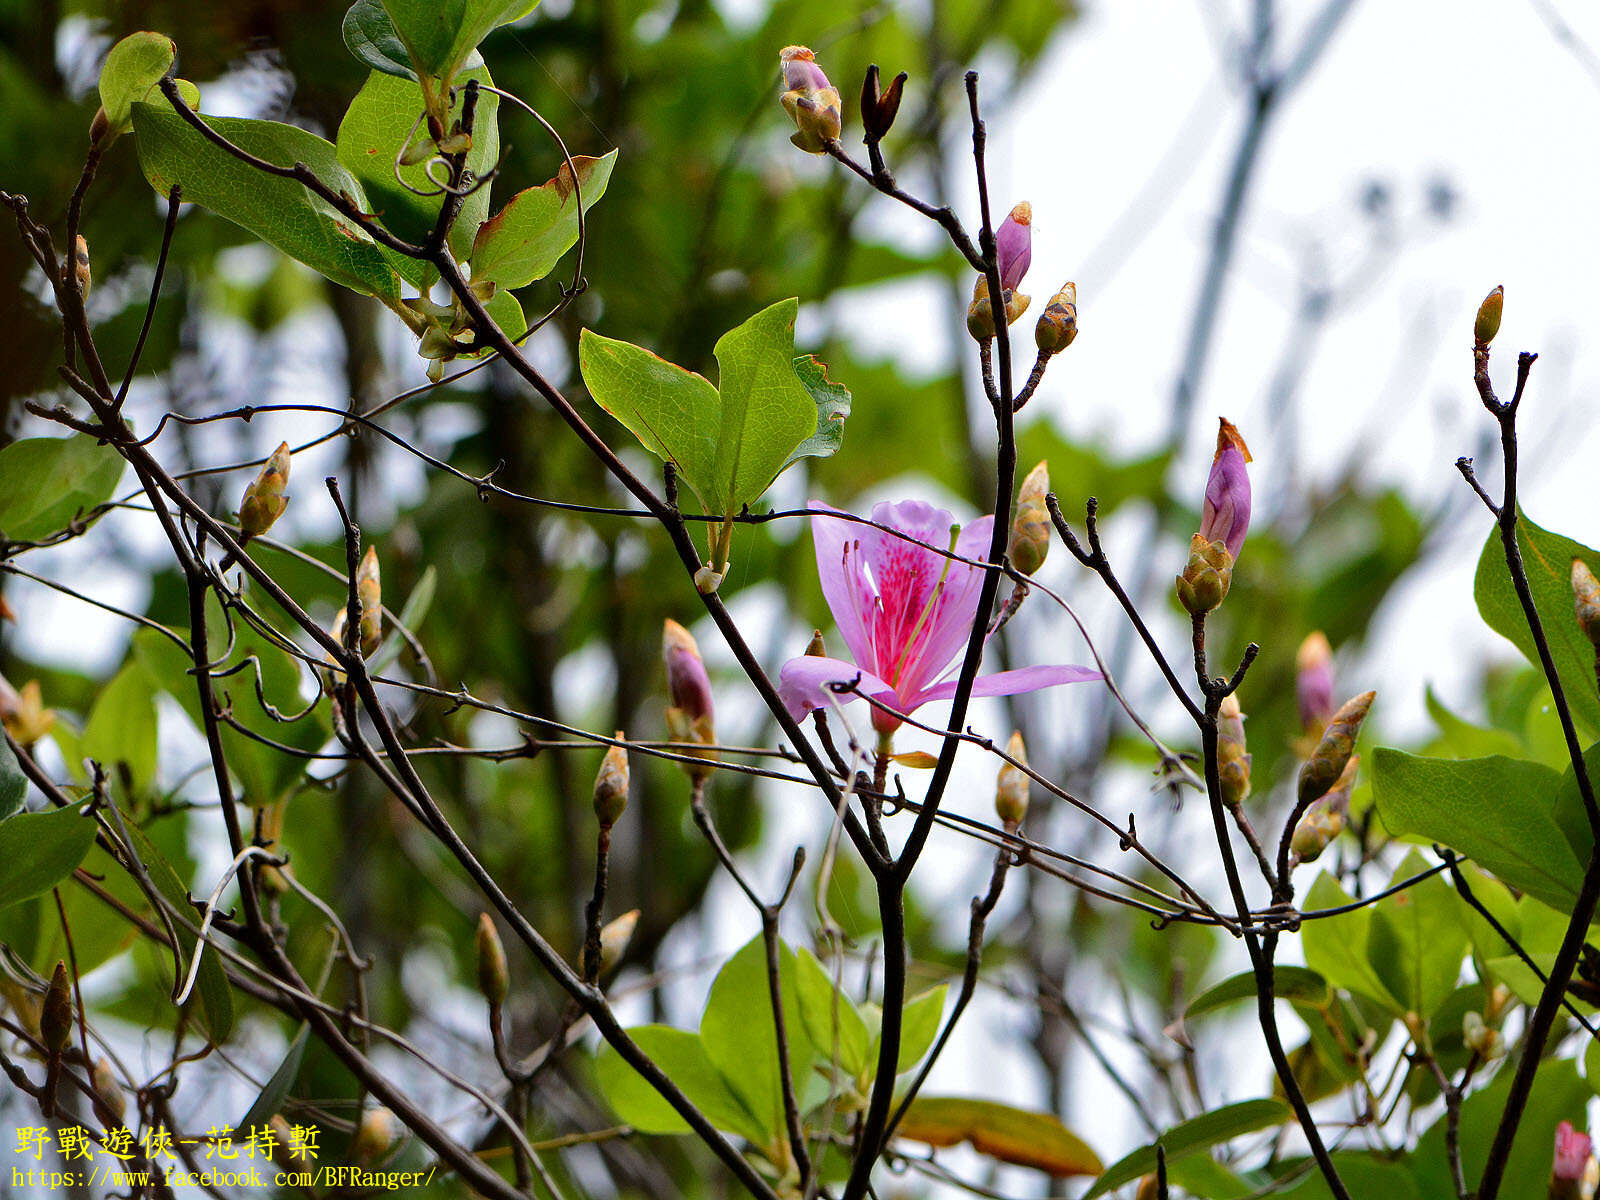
[1008,683]
[842,549]
[803,684]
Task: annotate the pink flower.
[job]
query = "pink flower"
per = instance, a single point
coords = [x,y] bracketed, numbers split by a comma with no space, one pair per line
[1313,682]
[1225,516]
[905,611]
[1571,1158]
[1013,243]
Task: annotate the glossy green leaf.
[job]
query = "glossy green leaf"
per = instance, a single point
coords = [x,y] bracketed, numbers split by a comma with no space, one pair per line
[833,407]
[1006,1134]
[919,1025]
[1418,939]
[682,1056]
[1290,983]
[13,783]
[131,71]
[281,212]
[439,34]
[369,35]
[728,442]
[525,239]
[269,1102]
[385,112]
[121,731]
[39,850]
[46,483]
[412,614]
[738,1032]
[1196,1134]
[1497,811]
[831,1018]
[1336,947]
[1363,1174]
[1203,1176]
[1547,558]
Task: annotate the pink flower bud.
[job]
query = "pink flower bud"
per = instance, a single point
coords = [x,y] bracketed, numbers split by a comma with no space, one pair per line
[1313,684]
[1571,1159]
[1014,245]
[800,70]
[688,686]
[1226,515]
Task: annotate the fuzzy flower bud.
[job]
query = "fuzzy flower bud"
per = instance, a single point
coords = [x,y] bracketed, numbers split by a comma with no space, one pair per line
[369,590]
[375,1133]
[1233,760]
[1325,819]
[1207,577]
[816,647]
[1011,786]
[55,1018]
[1225,516]
[1487,323]
[614,938]
[1570,1162]
[80,267]
[611,786]
[1030,528]
[1313,682]
[1483,1040]
[1013,246]
[689,713]
[980,313]
[494,980]
[1328,761]
[1586,597]
[110,1100]
[1058,324]
[879,108]
[264,500]
[810,100]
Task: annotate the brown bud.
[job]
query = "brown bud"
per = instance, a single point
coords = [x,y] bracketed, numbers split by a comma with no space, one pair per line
[1206,579]
[369,589]
[1233,760]
[879,109]
[494,980]
[1030,528]
[1011,786]
[1058,324]
[1328,761]
[1586,597]
[1487,323]
[80,267]
[1326,818]
[109,1097]
[99,128]
[816,647]
[264,500]
[374,1135]
[611,786]
[1149,1188]
[55,1018]
[614,938]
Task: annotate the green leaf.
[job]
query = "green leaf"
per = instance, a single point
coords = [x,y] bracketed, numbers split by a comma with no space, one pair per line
[13,783]
[1547,558]
[1190,1137]
[279,211]
[682,1056]
[1202,1175]
[439,34]
[46,483]
[1418,939]
[833,407]
[370,36]
[411,617]
[525,239]
[372,135]
[1290,983]
[211,983]
[131,71]
[121,731]
[39,850]
[739,1035]
[270,1101]
[1497,811]
[1337,947]
[919,1025]
[821,1006]
[1007,1134]
[1363,1174]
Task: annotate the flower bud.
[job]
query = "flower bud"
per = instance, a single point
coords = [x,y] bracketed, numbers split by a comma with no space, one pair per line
[611,786]
[1313,682]
[614,938]
[494,980]
[80,267]
[1487,323]
[1325,819]
[1499,1001]
[1058,323]
[1225,516]
[878,109]
[55,1017]
[375,1133]
[99,128]
[816,647]
[810,100]
[1149,1188]
[1586,597]
[1328,761]
[269,831]
[1233,760]
[1207,577]
[1570,1162]
[1030,528]
[1011,786]
[1478,1037]
[264,500]
[23,713]
[980,313]
[689,714]
[110,1100]
[1013,246]
[369,590]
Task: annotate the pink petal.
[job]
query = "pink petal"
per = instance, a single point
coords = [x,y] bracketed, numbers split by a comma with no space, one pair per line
[803,684]
[1008,683]
[842,547]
